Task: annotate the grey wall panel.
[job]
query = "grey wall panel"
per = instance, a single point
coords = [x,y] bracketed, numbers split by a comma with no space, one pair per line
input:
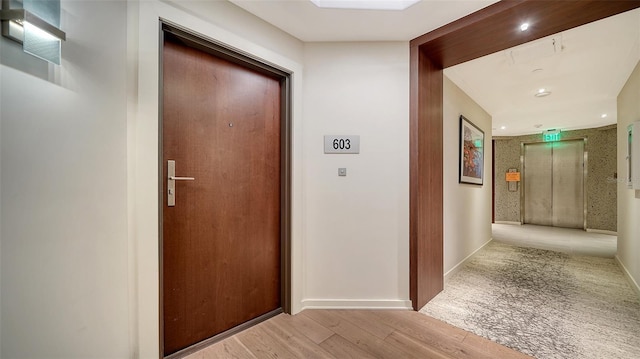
[507,203]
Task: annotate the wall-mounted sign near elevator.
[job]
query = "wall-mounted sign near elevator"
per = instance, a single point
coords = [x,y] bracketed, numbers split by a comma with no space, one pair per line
[342,144]
[551,135]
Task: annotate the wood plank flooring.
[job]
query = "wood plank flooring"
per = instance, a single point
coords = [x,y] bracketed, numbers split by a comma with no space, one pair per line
[355,334]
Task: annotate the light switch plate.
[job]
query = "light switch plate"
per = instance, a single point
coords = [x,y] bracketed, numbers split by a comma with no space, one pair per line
[342,171]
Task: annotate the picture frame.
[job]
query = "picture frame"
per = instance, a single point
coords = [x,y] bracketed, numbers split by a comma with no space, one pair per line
[471,161]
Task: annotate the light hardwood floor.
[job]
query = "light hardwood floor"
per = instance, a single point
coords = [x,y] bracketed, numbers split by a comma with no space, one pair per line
[355,334]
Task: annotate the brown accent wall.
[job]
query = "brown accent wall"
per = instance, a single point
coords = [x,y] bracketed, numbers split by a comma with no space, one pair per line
[601,176]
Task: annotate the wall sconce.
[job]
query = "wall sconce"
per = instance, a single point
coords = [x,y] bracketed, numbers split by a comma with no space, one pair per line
[34,24]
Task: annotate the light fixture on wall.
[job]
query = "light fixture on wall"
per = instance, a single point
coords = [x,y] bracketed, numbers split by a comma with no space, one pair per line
[34,24]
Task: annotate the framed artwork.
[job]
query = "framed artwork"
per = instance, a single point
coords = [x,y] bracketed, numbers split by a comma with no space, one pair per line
[471,152]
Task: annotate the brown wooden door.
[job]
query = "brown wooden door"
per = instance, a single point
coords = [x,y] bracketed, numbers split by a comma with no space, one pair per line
[221,241]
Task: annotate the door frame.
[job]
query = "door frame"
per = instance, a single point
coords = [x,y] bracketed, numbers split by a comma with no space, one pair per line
[585,174]
[219,49]
[491,29]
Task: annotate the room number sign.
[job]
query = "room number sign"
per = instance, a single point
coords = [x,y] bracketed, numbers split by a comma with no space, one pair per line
[341,144]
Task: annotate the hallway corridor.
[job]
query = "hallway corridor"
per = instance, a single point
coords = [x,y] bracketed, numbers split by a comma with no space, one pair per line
[548,292]
[567,240]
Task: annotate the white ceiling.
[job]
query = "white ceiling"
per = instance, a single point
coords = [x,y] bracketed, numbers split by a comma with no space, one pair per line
[309,23]
[584,70]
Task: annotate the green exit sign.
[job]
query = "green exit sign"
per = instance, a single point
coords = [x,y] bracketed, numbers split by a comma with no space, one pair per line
[551,135]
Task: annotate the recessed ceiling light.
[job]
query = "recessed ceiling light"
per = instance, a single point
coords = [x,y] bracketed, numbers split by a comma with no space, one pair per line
[524,26]
[604,115]
[542,93]
[365,4]
[503,127]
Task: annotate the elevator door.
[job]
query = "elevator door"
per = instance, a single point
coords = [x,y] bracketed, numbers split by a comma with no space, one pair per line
[554,184]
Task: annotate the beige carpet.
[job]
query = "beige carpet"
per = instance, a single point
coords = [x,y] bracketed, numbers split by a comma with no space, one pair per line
[544,303]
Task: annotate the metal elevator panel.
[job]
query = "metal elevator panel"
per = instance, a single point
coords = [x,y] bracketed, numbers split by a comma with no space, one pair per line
[554,184]
[538,184]
[568,184]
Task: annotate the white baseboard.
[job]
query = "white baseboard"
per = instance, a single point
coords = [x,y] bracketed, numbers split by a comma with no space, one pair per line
[459,266]
[611,233]
[508,222]
[356,304]
[632,281]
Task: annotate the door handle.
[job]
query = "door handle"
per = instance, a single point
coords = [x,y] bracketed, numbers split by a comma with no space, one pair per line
[171,182]
[181,178]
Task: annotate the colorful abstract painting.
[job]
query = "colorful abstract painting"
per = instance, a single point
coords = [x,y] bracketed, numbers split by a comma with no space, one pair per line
[471,152]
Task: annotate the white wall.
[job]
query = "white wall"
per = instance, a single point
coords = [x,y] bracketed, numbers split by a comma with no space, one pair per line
[628,199]
[356,228]
[467,208]
[78,177]
[64,195]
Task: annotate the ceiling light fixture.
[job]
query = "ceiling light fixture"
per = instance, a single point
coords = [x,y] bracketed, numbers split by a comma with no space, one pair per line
[542,93]
[604,115]
[524,26]
[365,4]
[503,127]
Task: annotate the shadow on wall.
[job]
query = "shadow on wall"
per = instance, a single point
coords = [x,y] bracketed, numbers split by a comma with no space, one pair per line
[13,56]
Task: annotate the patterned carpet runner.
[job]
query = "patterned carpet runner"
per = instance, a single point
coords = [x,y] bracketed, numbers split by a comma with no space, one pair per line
[543,303]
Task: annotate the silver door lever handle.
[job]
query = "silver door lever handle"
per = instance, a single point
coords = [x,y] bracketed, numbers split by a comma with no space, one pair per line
[171,182]
[181,178]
